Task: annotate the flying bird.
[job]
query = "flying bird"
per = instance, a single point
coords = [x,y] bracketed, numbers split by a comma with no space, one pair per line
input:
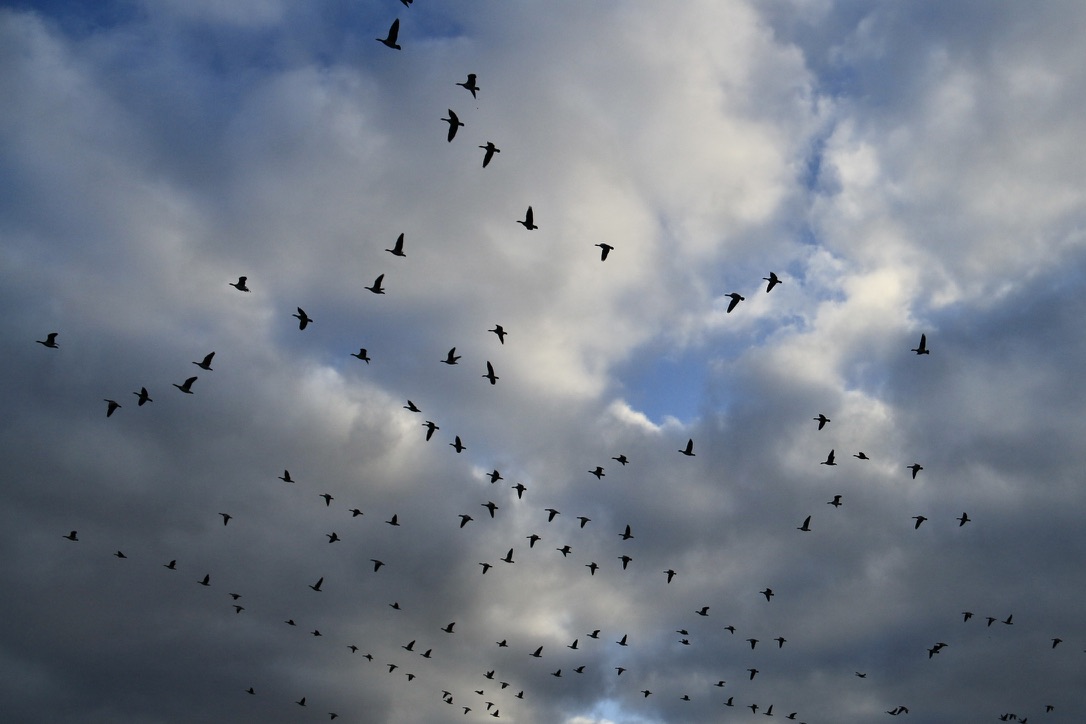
[670,574]
[773,280]
[303,318]
[393,33]
[963,519]
[469,84]
[919,519]
[861,455]
[430,427]
[411,407]
[449,629]
[821,420]
[532,540]
[828,460]
[363,355]
[622,641]
[551,512]
[598,472]
[916,468]
[606,249]
[626,534]
[172,565]
[317,586]
[529,220]
[768,593]
[591,567]
[71,536]
[489,505]
[584,520]
[397,248]
[240,284]
[500,331]
[454,123]
[376,564]
[111,406]
[806,527]
[143,396]
[703,611]
[519,487]
[564,550]
[735,299]
[464,518]
[451,357]
[377,288]
[689,451]
[490,373]
[205,363]
[332,537]
[225,518]
[625,561]
[185,386]
[457,445]
[327,499]
[836,502]
[923,347]
[50,340]
[622,460]
[490,149]
[285,477]
[206,580]
[394,520]
[508,556]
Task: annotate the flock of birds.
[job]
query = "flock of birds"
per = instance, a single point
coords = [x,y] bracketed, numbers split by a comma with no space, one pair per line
[486,697]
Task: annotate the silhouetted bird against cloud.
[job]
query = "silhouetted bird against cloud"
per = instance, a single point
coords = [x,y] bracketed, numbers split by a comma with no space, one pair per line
[625,561]
[303,318]
[143,396]
[591,567]
[430,427]
[916,468]
[621,460]
[861,455]
[735,299]
[457,445]
[963,519]
[172,565]
[397,248]
[454,123]
[394,520]
[551,512]
[519,487]
[490,149]
[451,357]
[919,519]
[327,499]
[464,518]
[469,84]
[584,520]
[923,347]
[205,363]
[670,574]
[500,331]
[508,556]
[490,506]
[206,580]
[829,459]
[50,341]
[317,586]
[393,34]
[564,550]
[689,450]
[529,220]
[332,537]
[626,534]
[362,354]
[377,288]
[285,477]
[411,407]
[376,564]
[225,518]
[490,373]
[71,536]
[185,386]
[598,472]
[768,593]
[449,629]
[703,611]
[773,281]
[111,406]
[806,527]
[240,284]
[606,249]
[821,420]
[836,502]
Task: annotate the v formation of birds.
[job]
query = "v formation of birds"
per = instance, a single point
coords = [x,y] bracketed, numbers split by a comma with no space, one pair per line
[492,694]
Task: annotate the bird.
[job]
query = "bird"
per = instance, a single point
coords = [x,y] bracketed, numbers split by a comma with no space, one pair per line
[966,615]
[451,357]
[689,450]
[143,396]
[806,527]
[646,692]
[551,512]
[490,506]
[836,502]
[670,574]
[963,519]
[234,596]
[397,248]
[538,653]
[250,690]
[205,363]
[457,445]
[532,540]
[508,556]
[519,487]
[564,550]
[861,455]
[449,629]
[454,123]
[828,460]
[464,518]
[622,460]
[735,299]
[529,220]
[394,520]
[573,645]
[300,702]
[594,635]
[71,536]
[395,605]
[355,512]
[332,537]
[470,85]
[376,564]
[430,427]
[1008,620]
[238,609]
[111,406]
[1056,642]
[486,567]
[780,641]
[410,645]
[626,534]
[622,641]
[773,280]
[500,331]
[50,340]
[365,357]
[923,347]
[703,611]
[490,373]
[240,284]
[919,519]
[377,288]
[327,499]
[822,420]
[206,580]
[730,700]
[303,318]
[393,33]
[730,629]
[490,149]
[753,643]
[584,520]
[172,565]
[768,593]
[991,620]
[225,518]
[285,477]
[625,561]
[185,386]
[619,669]
[579,669]
[503,644]
[598,472]
[317,586]
[606,249]
[591,567]
[753,673]
[861,675]
[916,468]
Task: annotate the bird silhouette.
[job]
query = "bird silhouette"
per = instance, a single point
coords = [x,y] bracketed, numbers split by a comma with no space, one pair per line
[464,518]
[689,450]
[538,653]
[469,84]
[519,487]
[916,468]
[457,445]
[670,574]
[829,459]
[490,506]
[317,586]
[393,34]
[376,564]
[397,248]
[486,567]
[621,460]
[71,536]
[240,284]
[332,537]
[490,373]
[500,331]
[622,641]
[205,363]
[206,580]
[625,561]
[303,318]
[451,357]
[752,642]
[285,477]
[584,520]
[922,348]
[327,499]
[564,550]
[172,565]
[626,534]
[591,567]
[768,593]
[605,250]
[735,299]
[377,288]
[449,629]
[598,472]
[532,540]
[430,427]
[861,455]
[806,527]
[919,519]
[143,396]
[773,280]
[822,420]
[394,520]
[185,386]
[529,220]
[836,502]
[963,519]
[551,512]
[364,356]
[50,340]
[508,556]
[225,518]
[703,611]
[111,406]
[454,123]
[490,149]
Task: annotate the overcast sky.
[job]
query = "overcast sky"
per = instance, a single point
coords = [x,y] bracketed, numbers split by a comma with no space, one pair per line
[904,169]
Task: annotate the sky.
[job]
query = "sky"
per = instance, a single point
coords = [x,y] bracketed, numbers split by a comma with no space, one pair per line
[904,169]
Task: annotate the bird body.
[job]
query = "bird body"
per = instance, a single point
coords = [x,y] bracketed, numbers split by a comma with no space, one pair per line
[529,220]
[303,318]
[186,386]
[205,363]
[689,450]
[240,284]
[393,34]
[490,149]
[605,250]
[922,348]
[735,299]
[377,288]
[50,341]
[773,280]
[454,123]
[470,85]
[397,248]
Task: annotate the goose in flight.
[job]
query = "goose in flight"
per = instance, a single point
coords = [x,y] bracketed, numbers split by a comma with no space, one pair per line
[923,347]
[752,642]
[451,357]
[486,567]
[622,641]
[490,373]
[622,460]
[285,477]
[490,506]
[529,220]
[861,456]
[327,499]
[919,519]
[363,355]
[564,550]
[430,427]
[806,527]
[397,249]
[377,288]
[394,520]
[240,284]
[509,556]
[50,341]
[454,123]
[594,635]
[821,420]
[143,396]
[591,567]
[464,519]
[780,641]
[916,468]
[411,407]
[829,459]
[532,539]
[317,586]
[625,561]
[332,537]
[768,593]
[376,564]
[205,363]
[490,149]
[703,611]
[598,472]
[225,518]
[393,34]
[963,519]
[519,487]
[500,331]
[538,653]
[605,250]
[172,565]
[584,520]
[206,580]
[551,512]
[626,534]
[773,280]
[457,445]
[303,318]
[836,502]
[670,574]
[689,450]
[735,299]
[469,84]
[71,536]
[185,386]
[449,629]
[111,406]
